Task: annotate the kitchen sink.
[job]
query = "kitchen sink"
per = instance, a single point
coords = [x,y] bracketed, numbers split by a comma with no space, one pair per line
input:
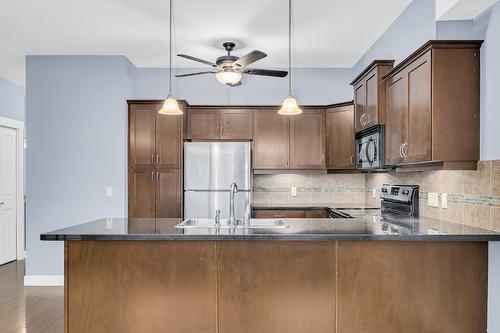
[254,224]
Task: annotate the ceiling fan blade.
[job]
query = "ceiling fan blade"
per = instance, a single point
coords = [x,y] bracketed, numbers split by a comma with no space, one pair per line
[197,60]
[265,72]
[249,58]
[197,73]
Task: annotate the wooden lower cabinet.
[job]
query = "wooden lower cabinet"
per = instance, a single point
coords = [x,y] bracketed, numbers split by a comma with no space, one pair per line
[279,213]
[141,193]
[275,286]
[168,194]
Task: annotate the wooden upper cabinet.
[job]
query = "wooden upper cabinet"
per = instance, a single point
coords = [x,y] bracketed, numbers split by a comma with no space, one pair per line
[417,147]
[433,105]
[203,124]
[270,140]
[236,124]
[396,119]
[307,139]
[340,137]
[142,136]
[168,194]
[168,141]
[369,95]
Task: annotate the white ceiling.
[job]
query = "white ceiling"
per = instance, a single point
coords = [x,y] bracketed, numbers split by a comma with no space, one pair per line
[327,33]
[450,10]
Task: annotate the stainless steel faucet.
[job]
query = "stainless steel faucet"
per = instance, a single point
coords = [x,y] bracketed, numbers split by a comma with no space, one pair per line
[233,189]
[217,218]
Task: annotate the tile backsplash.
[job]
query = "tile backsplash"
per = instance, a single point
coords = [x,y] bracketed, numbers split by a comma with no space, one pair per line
[473,196]
[327,188]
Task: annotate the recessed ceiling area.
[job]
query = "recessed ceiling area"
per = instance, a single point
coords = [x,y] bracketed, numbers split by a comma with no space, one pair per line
[327,33]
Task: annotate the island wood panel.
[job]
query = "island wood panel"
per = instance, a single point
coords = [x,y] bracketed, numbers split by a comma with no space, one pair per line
[140,287]
[276,287]
[412,287]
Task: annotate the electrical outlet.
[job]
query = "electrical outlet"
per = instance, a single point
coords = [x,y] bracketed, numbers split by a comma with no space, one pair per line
[374,193]
[432,199]
[444,200]
[294,191]
[109,192]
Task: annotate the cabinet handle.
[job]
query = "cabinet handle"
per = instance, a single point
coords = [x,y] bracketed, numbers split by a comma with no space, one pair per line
[153,158]
[405,145]
[352,159]
[401,151]
[152,176]
[157,176]
[279,215]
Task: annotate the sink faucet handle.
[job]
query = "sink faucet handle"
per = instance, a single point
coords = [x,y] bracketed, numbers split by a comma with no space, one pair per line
[217,217]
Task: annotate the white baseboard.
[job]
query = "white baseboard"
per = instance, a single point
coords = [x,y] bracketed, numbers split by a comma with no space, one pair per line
[44,280]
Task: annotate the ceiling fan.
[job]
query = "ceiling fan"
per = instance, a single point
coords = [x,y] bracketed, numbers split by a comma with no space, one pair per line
[229,69]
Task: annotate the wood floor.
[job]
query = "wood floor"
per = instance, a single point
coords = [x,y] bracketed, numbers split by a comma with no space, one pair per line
[28,309]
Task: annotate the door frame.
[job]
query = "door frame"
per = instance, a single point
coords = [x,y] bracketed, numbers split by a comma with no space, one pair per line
[20,228]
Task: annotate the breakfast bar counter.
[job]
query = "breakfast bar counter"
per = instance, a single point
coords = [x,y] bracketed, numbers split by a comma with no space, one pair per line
[362,274]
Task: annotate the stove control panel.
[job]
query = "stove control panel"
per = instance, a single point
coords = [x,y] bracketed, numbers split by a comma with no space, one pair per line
[399,193]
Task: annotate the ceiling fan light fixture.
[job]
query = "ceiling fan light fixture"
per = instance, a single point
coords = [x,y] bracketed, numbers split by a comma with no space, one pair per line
[229,77]
[290,107]
[170,107]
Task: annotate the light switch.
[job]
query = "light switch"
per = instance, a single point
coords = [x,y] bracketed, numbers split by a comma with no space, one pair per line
[294,191]
[444,200]
[432,199]
[109,192]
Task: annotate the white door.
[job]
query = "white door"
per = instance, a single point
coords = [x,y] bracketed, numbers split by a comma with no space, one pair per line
[7,194]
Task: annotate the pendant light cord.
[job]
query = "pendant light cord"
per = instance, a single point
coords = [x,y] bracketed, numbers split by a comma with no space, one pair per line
[170,53]
[290,47]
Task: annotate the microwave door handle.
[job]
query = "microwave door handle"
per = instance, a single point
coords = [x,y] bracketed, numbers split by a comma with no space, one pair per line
[370,160]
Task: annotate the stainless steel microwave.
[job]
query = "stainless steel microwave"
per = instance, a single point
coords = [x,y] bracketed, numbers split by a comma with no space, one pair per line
[370,146]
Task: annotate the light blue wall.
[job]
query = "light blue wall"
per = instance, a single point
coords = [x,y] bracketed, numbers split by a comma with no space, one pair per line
[415,26]
[77,133]
[311,86]
[11,100]
[76,146]
[455,29]
[487,27]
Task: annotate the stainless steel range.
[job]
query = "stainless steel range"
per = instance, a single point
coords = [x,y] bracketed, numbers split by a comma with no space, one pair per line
[399,201]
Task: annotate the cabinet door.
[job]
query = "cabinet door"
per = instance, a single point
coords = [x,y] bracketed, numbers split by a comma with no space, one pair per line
[371,108]
[271,140]
[359,104]
[141,194]
[168,193]
[396,118]
[142,136]
[168,141]
[340,137]
[203,124]
[419,141]
[236,124]
[307,140]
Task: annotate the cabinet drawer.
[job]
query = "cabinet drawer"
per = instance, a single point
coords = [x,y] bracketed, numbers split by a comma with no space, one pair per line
[279,213]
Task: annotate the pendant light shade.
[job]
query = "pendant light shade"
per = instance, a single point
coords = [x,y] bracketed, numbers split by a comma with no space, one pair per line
[290,106]
[170,105]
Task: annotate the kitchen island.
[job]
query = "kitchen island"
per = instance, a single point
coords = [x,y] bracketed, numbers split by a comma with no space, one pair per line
[362,274]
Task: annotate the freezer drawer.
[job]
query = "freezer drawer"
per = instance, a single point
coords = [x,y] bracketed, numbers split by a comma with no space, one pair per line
[204,204]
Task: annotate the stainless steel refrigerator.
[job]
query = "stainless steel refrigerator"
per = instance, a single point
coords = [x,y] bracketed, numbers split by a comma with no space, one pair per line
[209,170]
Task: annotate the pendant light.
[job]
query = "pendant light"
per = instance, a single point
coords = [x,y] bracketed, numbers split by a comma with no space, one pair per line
[290,106]
[170,105]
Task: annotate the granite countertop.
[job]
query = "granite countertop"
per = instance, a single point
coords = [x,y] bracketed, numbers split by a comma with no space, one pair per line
[315,205]
[367,226]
